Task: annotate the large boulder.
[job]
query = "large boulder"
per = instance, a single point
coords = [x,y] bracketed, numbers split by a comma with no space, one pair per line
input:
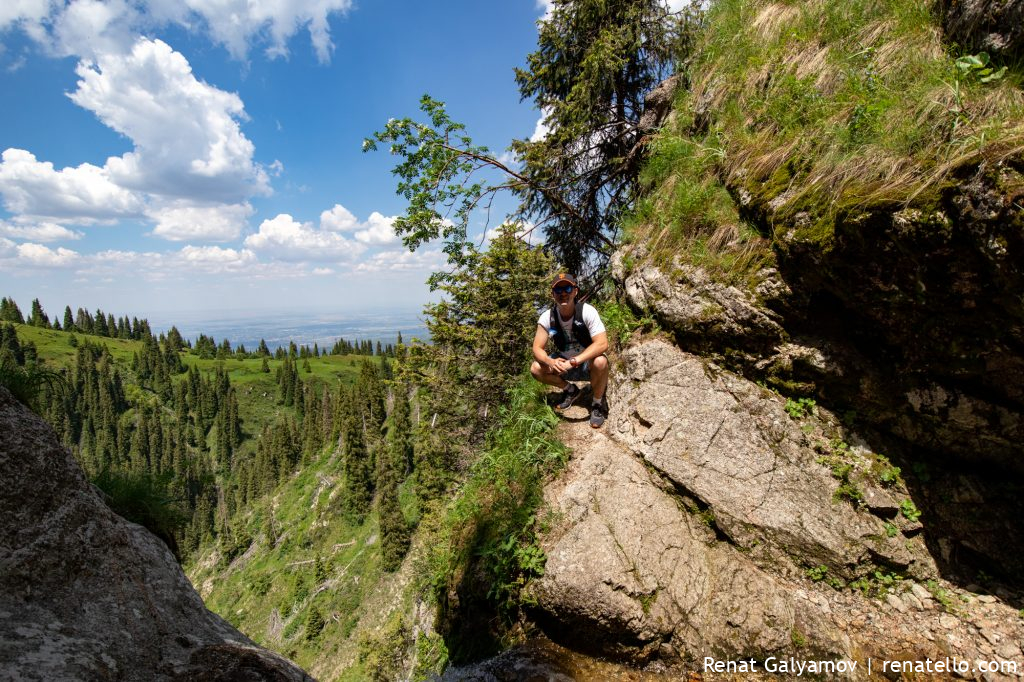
[705,521]
[85,594]
[730,445]
[636,576]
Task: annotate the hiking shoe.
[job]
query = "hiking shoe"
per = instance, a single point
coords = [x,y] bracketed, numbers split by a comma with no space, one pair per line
[571,393]
[597,415]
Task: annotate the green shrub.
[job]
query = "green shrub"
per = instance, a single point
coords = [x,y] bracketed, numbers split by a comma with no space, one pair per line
[144,499]
[490,527]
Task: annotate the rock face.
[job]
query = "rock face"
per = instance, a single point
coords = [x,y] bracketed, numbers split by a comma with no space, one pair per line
[996,26]
[704,520]
[85,594]
[911,316]
[637,576]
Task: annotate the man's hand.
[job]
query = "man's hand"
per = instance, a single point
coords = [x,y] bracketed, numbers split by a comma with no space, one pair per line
[558,366]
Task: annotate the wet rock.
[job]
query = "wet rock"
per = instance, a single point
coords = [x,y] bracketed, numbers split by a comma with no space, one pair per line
[85,594]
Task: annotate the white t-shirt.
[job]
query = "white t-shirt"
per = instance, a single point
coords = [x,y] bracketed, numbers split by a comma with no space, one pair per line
[590,317]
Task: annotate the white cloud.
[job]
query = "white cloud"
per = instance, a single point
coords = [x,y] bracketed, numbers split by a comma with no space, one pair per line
[41,256]
[323,271]
[541,130]
[186,132]
[81,194]
[16,65]
[237,23]
[548,6]
[191,169]
[213,223]
[24,11]
[377,229]
[90,27]
[526,230]
[426,260]
[8,248]
[338,219]
[215,259]
[285,239]
[40,232]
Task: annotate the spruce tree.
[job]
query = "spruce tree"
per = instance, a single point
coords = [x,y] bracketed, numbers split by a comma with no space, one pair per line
[394,530]
[9,311]
[38,318]
[358,472]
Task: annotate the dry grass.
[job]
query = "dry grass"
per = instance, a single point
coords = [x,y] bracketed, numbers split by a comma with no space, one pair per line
[772,18]
[816,116]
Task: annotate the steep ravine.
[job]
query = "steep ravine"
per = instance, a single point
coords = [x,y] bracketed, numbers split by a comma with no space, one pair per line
[86,595]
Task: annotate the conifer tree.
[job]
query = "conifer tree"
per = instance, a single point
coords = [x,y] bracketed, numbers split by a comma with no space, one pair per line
[358,472]
[38,318]
[69,321]
[394,530]
[314,624]
[9,311]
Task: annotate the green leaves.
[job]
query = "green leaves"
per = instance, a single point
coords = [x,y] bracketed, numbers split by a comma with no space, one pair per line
[439,177]
[978,67]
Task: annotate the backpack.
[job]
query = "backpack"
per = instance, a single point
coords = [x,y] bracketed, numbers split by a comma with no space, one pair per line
[580,332]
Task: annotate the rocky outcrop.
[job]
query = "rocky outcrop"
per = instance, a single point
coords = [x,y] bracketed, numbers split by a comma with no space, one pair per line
[85,594]
[729,445]
[910,316]
[996,26]
[704,520]
[637,576]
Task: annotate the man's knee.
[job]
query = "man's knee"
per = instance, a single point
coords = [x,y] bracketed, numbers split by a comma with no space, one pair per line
[600,363]
[536,370]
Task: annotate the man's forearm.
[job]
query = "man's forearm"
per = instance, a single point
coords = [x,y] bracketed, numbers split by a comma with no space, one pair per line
[590,352]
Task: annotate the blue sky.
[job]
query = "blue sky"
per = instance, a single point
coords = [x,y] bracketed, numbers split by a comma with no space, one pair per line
[205,156]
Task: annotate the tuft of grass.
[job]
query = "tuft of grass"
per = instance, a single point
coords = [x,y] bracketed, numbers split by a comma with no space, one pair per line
[28,383]
[622,323]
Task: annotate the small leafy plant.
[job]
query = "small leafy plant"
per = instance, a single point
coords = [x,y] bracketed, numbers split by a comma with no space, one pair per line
[978,67]
[910,510]
[800,408]
[817,573]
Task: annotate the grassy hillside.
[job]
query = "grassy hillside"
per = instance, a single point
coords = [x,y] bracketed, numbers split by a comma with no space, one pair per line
[798,112]
[303,582]
[257,390]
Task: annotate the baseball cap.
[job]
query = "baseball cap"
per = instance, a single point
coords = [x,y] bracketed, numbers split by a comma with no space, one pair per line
[562,279]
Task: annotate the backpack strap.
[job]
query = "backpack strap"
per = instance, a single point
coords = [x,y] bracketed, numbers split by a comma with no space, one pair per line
[556,331]
[579,327]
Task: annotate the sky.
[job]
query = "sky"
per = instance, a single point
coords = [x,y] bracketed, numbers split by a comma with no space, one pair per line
[205,156]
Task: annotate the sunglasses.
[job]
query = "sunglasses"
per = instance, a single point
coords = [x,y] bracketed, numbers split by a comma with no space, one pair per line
[563,290]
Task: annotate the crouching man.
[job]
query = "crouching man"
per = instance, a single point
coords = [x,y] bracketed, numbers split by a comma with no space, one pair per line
[580,342]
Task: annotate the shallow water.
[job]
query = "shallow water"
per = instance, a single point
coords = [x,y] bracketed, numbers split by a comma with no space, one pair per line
[541,660]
